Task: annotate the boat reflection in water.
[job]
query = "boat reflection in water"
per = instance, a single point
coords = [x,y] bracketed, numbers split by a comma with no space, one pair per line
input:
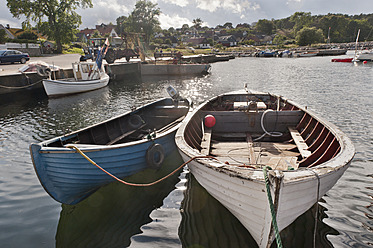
[207,223]
[114,213]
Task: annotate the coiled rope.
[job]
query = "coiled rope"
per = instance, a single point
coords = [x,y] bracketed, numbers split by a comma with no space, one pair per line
[135,184]
[269,196]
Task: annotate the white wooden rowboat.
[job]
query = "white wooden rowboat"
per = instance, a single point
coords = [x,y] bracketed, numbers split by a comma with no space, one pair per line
[253,130]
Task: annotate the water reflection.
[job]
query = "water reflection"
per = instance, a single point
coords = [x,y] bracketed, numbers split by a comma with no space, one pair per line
[207,223]
[113,214]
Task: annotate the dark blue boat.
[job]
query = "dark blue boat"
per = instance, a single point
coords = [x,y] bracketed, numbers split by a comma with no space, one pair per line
[123,146]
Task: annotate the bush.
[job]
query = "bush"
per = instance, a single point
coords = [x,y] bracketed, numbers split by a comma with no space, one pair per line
[73,50]
[28,35]
[3,37]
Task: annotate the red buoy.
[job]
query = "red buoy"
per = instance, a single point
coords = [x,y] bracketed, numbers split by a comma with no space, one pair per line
[210,121]
[365,62]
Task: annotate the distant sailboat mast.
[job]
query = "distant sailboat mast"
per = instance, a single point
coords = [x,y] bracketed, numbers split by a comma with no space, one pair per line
[357,39]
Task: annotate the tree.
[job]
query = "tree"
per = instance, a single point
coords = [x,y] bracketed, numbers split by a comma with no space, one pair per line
[61,19]
[301,20]
[185,27]
[144,18]
[228,25]
[123,25]
[197,23]
[279,40]
[265,26]
[308,36]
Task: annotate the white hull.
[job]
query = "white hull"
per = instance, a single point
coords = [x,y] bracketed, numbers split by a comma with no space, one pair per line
[65,87]
[365,56]
[171,69]
[247,199]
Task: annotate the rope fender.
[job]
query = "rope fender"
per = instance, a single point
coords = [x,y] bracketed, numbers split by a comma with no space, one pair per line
[135,184]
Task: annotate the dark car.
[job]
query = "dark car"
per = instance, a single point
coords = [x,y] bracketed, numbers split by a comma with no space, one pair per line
[11,56]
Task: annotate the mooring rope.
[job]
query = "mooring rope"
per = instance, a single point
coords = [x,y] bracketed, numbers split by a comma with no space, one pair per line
[317,207]
[273,213]
[135,184]
[20,87]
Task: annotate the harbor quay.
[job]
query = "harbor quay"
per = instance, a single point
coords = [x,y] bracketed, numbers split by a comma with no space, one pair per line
[12,80]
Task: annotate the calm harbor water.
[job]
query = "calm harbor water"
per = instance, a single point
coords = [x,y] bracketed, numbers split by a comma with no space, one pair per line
[179,212]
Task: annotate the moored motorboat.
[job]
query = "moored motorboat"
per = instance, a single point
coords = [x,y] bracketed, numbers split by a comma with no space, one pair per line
[345,60]
[365,55]
[87,77]
[234,137]
[122,146]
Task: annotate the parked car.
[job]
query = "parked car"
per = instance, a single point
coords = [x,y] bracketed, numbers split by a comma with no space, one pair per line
[11,56]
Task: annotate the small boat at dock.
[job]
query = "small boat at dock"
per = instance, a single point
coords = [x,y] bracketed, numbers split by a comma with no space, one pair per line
[345,60]
[123,146]
[265,158]
[365,55]
[87,77]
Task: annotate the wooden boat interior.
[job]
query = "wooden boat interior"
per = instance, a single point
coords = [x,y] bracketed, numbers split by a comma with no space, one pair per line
[143,123]
[294,138]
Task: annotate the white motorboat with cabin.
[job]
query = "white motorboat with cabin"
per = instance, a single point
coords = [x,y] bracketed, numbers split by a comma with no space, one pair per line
[87,76]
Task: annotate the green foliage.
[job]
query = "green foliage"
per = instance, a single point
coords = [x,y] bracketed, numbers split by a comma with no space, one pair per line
[197,23]
[62,20]
[301,20]
[265,26]
[123,25]
[28,35]
[228,25]
[279,40]
[308,36]
[73,50]
[144,18]
[3,37]
[96,34]
[343,28]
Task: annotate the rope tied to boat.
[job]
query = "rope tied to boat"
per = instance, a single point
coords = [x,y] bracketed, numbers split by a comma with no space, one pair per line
[273,213]
[317,206]
[135,184]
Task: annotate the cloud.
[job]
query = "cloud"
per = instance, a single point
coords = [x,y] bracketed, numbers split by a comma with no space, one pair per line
[295,4]
[175,21]
[234,6]
[102,12]
[181,3]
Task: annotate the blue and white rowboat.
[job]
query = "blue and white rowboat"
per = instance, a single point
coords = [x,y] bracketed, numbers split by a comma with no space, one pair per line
[123,146]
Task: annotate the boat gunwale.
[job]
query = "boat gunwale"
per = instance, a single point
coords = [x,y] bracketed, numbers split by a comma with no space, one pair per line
[71,81]
[46,148]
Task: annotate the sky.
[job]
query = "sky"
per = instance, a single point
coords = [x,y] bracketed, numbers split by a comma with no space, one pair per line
[175,13]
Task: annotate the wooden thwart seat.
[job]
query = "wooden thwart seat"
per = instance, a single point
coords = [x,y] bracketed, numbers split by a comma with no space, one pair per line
[299,142]
[124,135]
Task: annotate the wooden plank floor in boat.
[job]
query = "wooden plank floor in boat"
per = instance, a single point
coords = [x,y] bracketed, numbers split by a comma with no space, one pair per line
[257,154]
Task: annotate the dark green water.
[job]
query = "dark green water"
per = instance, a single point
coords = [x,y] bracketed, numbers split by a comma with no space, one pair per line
[179,212]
